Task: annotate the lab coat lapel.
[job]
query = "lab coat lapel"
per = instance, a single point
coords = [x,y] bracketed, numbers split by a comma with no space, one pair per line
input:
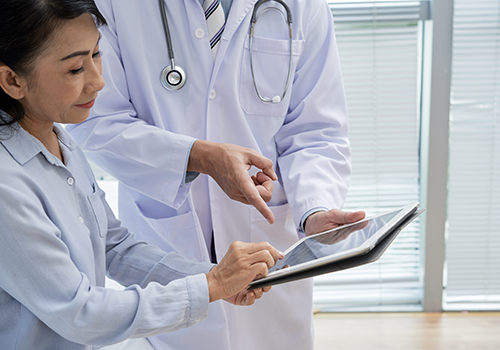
[238,12]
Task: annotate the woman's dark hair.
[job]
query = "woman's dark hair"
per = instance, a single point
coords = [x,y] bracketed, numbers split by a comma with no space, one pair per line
[25,29]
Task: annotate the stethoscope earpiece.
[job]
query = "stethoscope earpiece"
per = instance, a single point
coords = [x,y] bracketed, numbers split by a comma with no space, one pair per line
[276,99]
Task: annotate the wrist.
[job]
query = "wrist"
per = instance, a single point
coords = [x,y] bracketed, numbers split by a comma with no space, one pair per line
[308,215]
[214,292]
[198,156]
[304,224]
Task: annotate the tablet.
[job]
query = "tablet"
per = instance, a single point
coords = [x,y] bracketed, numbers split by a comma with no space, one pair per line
[344,242]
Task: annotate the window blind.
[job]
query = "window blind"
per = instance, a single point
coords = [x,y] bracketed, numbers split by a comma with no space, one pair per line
[381,69]
[472,267]
[367,11]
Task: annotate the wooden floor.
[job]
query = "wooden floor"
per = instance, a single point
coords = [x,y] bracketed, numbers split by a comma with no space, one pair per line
[408,331]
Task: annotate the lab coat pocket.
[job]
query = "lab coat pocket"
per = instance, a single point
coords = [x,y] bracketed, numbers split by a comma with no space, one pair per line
[100,222]
[282,234]
[176,233]
[271,59]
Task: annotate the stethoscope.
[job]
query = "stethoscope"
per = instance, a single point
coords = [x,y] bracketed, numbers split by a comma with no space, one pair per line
[173,77]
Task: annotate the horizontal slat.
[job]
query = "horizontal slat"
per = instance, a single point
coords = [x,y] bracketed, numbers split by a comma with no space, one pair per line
[380,11]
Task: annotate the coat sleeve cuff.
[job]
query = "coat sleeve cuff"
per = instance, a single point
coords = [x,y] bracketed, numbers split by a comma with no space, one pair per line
[307,214]
[190,176]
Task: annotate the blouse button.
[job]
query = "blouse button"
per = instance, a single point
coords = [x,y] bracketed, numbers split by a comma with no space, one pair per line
[71,181]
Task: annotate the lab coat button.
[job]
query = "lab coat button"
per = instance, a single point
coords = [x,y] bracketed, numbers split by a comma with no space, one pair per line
[71,181]
[199,33]
[81,219]
[213,94]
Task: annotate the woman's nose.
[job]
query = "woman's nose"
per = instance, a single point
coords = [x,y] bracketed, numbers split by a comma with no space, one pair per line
[96,81]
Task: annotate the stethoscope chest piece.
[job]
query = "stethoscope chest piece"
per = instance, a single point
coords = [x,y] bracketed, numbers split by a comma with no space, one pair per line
[172,79]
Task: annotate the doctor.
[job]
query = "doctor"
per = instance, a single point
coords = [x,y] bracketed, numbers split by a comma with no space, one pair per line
[155,140]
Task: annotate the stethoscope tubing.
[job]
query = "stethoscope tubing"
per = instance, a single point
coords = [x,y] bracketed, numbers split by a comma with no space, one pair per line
[166,29]
[260,2]
[253,21]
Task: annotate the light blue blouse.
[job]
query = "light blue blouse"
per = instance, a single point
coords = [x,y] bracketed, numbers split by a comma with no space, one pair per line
[58,239]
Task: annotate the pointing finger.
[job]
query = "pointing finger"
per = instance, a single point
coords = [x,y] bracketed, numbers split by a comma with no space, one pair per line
[254,198]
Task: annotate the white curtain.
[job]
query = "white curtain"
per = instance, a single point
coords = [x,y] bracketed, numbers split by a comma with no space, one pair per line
[472,272]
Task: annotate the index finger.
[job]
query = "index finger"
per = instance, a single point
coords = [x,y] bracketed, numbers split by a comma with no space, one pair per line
[253,197]
[257,247]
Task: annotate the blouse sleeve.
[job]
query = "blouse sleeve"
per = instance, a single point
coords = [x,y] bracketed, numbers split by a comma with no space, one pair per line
[37,270]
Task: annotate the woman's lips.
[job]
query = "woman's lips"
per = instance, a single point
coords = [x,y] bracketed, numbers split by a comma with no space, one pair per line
[87,105]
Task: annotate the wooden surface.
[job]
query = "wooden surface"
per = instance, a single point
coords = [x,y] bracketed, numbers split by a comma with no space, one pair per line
[408,331]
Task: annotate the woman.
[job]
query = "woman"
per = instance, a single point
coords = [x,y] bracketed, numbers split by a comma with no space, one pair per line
[58,237]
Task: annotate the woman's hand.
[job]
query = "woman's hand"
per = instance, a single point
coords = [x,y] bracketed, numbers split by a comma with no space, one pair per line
[242,263]
[247,297]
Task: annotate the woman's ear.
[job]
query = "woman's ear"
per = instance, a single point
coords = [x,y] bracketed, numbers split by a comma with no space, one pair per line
[11,83]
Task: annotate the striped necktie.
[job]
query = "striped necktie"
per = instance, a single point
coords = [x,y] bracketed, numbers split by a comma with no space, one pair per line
[216,22]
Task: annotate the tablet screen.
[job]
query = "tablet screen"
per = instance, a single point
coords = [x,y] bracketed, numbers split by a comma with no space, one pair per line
[335,242]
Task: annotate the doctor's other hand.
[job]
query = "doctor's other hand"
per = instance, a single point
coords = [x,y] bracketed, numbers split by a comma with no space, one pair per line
[242,263]
[228,165]
[326,220]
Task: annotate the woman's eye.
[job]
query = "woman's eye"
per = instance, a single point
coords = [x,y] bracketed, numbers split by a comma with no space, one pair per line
[76,71]
[81,69]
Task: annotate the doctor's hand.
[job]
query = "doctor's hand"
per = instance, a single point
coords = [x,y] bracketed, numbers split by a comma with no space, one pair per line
[242,263]
[326,220]
[228,165]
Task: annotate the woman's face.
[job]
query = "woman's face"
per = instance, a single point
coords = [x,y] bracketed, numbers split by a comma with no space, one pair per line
[67,76]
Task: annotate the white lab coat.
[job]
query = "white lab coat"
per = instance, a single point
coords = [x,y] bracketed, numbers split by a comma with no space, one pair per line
[141,133]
